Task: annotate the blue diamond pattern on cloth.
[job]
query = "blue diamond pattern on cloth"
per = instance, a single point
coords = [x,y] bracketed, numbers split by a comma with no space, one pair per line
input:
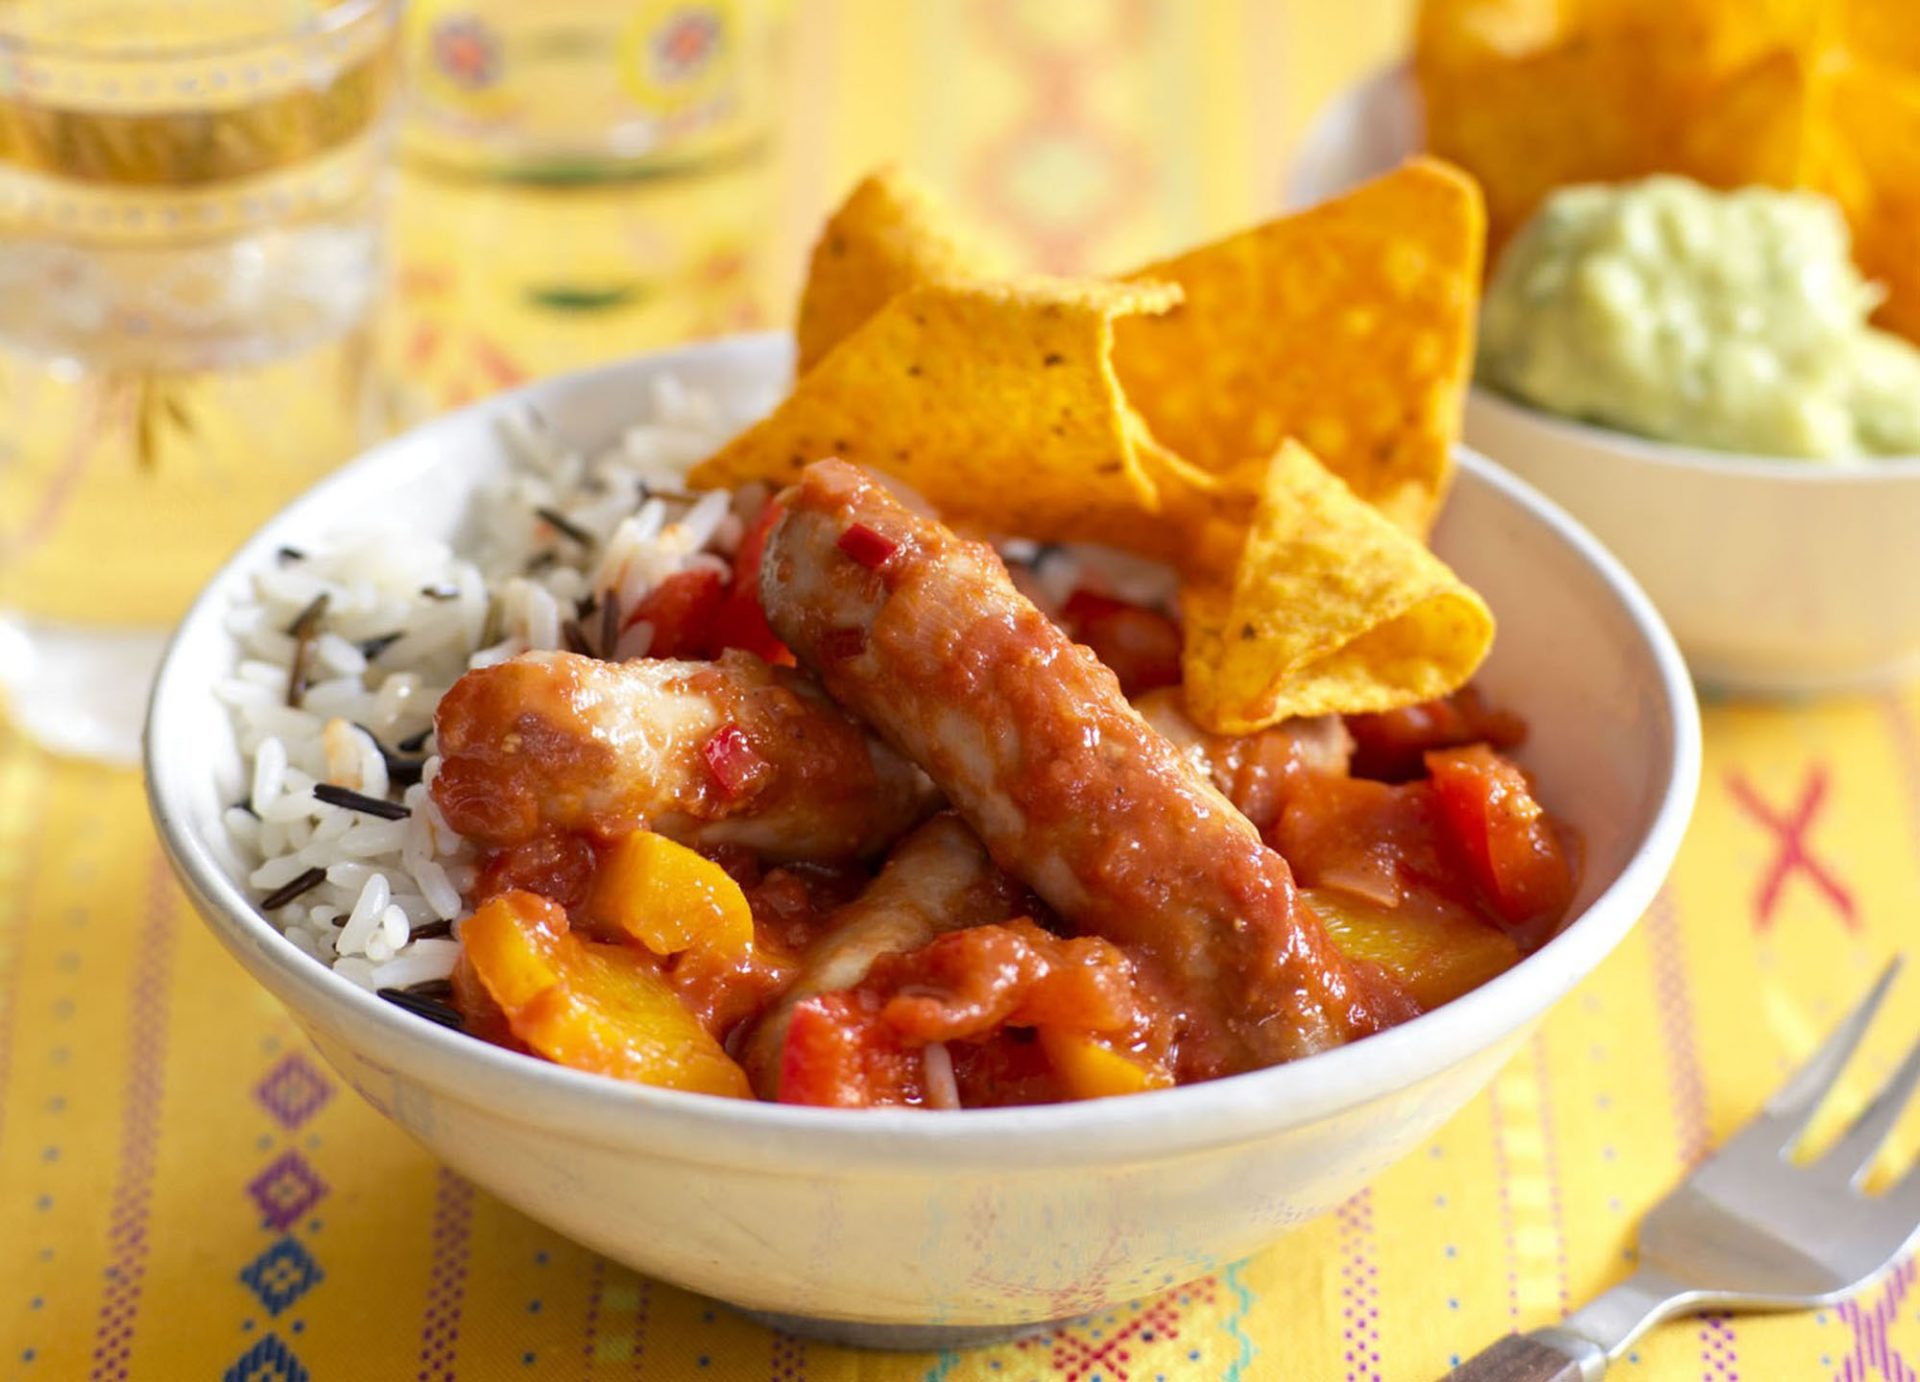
[293,1091]
[281,1275]
[267,1361]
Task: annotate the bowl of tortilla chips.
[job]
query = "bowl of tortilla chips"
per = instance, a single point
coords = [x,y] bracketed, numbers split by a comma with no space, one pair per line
[1274,416]
[1777,575]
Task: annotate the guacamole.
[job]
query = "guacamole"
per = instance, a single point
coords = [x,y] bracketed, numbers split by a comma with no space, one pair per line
[1729,320]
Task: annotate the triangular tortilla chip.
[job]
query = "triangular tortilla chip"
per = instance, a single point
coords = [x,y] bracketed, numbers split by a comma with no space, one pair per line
[1458,34]
[1330,607]
[889,235]
[1877,113]
[997,402]
[1756,127]
[1588,111]
[1702,40]
[1348,327]
[1883,32]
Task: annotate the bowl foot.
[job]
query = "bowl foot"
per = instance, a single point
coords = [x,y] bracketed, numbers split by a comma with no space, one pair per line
[899,1338]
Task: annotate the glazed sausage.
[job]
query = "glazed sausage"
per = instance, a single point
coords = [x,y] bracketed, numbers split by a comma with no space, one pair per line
[560,741]
[923,635]
[937,879]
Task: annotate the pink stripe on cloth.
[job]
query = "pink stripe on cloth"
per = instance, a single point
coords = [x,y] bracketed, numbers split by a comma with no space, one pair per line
[1550,1151]
[789,1360]
[140,1102]
[1686,1095]
[1502,1180]
[1873,1355]
[597,1285]
[447,1278]
[1360,1289]
[13,925]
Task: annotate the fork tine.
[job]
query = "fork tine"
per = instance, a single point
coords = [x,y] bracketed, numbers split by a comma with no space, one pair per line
[1854,1152]
[1786,1114]
[1903,1200]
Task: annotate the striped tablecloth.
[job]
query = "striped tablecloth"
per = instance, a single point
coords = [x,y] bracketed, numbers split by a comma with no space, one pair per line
[185,1192]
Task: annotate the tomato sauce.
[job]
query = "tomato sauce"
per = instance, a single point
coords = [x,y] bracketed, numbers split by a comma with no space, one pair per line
[1428,860]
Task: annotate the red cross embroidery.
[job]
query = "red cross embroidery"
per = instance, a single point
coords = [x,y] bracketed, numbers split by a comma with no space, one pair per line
[1793,856]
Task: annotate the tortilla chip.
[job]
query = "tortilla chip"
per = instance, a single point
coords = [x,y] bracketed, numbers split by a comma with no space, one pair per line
[1883,32]
[998,403]
[1465,33]
[1330,608]
[1530,98]
[1706,39]
[1759,126]
[1877,114]
[1588,111]
[889,235]
[1348,327]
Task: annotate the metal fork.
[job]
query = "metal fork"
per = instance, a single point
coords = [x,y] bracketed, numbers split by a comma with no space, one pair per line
[1748,1230]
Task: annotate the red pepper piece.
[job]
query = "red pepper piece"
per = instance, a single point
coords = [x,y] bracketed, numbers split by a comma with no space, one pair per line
[736,768]
[867,547]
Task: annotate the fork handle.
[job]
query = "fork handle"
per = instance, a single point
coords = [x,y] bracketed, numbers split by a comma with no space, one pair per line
[1531,1358]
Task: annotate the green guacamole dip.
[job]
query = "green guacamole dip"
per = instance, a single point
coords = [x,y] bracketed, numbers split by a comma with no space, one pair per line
[1729,320]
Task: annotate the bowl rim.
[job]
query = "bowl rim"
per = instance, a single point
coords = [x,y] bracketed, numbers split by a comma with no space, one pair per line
[1155,1125]
[1793,470]
[1396,81]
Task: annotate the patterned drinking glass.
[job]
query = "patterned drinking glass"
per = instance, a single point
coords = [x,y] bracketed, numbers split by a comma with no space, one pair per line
[191,208]
[640,135]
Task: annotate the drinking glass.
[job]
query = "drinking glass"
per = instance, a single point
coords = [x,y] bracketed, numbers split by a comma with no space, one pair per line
[583,90]
[191,206]
[581,178]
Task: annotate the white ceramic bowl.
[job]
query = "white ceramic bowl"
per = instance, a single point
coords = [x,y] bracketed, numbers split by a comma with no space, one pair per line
[905,1228]
[1776,576]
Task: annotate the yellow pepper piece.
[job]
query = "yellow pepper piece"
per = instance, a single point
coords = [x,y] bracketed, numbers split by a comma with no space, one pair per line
[1088,1070]
[1435,958]
[602,1008]
[670,899]
[509,943]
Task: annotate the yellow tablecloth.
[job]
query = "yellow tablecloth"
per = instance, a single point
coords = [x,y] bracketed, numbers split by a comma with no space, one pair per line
[185,1192]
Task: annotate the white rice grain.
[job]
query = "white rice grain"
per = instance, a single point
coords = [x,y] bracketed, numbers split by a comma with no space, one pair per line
[242,826]
[438,889]
[278,872]
[365,917]
[420,963]
[334,653]
[358,970]
[269,776]
[394,926]
[370,837]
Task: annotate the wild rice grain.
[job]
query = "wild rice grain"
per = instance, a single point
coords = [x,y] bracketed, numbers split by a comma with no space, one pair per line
[563,525]
[286,893]
[302,630]
[430,1008]
[360,801]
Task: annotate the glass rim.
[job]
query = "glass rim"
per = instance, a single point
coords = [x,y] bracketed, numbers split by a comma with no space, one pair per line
[329,20]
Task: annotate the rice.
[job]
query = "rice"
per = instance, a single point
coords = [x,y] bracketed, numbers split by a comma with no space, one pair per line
[378,623]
